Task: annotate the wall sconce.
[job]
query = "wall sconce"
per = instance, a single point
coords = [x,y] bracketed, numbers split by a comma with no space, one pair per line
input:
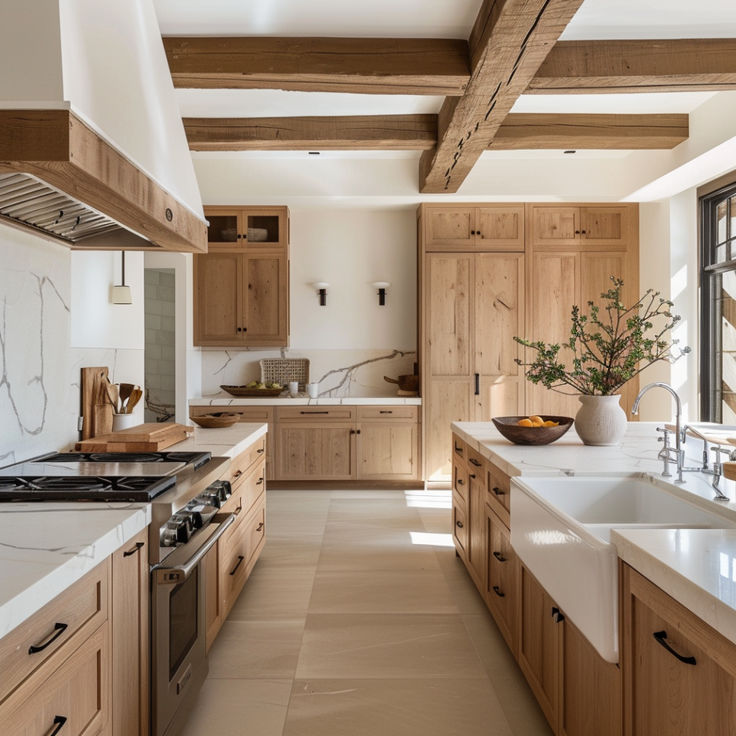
[121,294]
[381,286]
[321,287]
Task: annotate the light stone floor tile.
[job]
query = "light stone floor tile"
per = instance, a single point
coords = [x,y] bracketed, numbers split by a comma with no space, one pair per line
[387,645]
[256,649]
[271,595]
[240,708]
[392,707]
[283,553]
[361,559]
[385,591]
[518,703]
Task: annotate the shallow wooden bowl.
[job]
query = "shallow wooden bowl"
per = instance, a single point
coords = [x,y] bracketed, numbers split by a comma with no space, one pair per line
[243,391]
[510,429]
[213,421]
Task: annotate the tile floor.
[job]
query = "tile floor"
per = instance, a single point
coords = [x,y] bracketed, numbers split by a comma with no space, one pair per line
[358,620]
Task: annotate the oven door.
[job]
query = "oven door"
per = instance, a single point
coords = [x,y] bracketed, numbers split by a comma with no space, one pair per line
[178,661]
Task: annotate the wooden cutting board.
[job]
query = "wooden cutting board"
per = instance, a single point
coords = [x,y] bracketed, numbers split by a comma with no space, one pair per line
[713,435]
[96,409]
[149,437]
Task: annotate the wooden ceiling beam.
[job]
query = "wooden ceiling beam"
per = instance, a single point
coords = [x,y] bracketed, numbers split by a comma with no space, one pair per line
[679,65]
[419,132]
[509,42]
[579,132]
[407,66]
[360,132]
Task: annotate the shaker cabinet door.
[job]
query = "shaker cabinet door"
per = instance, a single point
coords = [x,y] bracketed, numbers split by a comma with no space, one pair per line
[218,318]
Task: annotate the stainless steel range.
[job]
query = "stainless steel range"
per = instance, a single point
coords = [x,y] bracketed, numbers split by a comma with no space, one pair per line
[186,495]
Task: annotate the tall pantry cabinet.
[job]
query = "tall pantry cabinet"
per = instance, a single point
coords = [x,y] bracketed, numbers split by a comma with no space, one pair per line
[490,272]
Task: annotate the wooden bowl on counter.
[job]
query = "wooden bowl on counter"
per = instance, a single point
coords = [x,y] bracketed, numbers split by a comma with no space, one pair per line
[216,420]
[510,429]
[245,391]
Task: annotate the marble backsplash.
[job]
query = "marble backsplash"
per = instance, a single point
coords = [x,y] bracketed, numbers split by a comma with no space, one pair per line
[39,371]
[340,373]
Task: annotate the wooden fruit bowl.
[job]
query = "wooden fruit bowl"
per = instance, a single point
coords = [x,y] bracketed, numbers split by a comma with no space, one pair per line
[214,421]
[244,391]
[510,429]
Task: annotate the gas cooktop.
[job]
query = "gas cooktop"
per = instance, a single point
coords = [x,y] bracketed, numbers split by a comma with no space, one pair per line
[195,459]
[94,488]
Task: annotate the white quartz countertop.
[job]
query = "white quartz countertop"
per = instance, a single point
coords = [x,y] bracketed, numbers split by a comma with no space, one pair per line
[304,400]
[46,547]
[697,567]
[224,441]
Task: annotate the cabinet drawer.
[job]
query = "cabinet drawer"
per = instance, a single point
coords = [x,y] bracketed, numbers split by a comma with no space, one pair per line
[236,550]
[316,413]
[239,465]
[61,623]
[460,480]
[501,577]
[246,491]
[74,700]
[459,449]
[459,524]
[388,412]
[499,493]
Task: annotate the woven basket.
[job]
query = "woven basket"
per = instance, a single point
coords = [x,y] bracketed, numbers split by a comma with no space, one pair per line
[283,370]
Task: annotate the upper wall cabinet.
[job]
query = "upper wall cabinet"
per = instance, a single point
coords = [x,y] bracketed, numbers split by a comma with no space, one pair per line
[241,287]
[247,227]
[584,226]
[467,228]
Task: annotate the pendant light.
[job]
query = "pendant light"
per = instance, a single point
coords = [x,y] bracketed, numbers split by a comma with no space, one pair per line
[121,294]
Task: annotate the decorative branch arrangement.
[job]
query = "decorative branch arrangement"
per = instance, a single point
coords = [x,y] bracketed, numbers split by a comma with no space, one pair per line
[609,345]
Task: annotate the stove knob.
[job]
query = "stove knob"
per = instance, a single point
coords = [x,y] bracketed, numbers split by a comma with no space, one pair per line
[169,537]
[196,519]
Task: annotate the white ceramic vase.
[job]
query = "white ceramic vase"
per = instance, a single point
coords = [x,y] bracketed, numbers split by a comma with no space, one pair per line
[600,420]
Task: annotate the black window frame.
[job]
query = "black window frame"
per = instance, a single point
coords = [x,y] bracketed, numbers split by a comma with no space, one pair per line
[710,270]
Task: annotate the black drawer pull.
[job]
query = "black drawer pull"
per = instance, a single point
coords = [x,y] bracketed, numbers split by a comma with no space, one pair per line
[239,509]
[458,450]
[59,629]
[459,524]
[134,549]
[259,527]
[259,481]
[314,412]
[498,491]
[477,384]
[385,411]
[499,556]
[259,451]
[59,722]
[498,592]
[238,474]
[473,461]
[473,476]
[661,638]
[240,559]
[557,615]
[460,482]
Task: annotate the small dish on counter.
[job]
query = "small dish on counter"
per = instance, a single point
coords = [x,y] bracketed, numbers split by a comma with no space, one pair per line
[216,420]
[245,391]
[510,428]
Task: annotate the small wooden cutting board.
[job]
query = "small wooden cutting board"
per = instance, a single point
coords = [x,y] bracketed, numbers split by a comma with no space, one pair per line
[149,437]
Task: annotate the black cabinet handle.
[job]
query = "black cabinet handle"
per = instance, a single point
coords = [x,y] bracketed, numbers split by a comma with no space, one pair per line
[498,592]
[458,450]
[583,232]
[499,556]
[357,431]
[59,722]
[134,549]
[459,524]
[240,559]
[260,451]
[239,509]
[577,232]
[259,527]
[314,412]
[661,638]
[259,481]
[460,482]
[473,476]
[385,411]
[238,474]
[473,461]
[498,491]
[557,615]
[59,629]
[472,232]
[477,384]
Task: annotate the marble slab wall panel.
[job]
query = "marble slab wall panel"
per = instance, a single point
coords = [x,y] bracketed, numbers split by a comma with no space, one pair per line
[37,402]
[340,373]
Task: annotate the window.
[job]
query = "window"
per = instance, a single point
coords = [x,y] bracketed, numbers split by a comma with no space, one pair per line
[718,307]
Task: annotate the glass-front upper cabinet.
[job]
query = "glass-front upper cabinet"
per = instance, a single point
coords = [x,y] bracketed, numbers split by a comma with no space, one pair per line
[247,227]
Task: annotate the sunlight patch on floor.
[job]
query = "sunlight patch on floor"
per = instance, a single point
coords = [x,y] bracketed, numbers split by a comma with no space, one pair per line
[431,539]
[437,499]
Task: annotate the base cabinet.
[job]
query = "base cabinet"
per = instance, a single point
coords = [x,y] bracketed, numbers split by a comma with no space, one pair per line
[680,674]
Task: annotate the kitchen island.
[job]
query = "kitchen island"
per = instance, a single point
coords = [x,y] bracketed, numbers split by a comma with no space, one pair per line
[677,582]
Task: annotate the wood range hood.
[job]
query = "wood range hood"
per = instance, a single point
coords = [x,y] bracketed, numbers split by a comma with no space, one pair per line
[60,178]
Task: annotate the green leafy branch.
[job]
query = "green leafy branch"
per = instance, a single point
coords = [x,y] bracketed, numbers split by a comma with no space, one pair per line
[608,346]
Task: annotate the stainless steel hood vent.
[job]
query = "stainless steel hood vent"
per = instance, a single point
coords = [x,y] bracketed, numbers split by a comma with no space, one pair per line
[29,202]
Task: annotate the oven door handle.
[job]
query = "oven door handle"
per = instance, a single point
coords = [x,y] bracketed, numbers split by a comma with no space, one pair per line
[173,572]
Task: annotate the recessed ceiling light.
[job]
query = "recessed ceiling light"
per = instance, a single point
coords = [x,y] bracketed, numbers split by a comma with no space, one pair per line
[569,152]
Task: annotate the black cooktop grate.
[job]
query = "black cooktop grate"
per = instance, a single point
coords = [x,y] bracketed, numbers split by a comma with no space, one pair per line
[196,459]
[90,488]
